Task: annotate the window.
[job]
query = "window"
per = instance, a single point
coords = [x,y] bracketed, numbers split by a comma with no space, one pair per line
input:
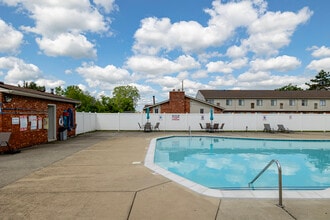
[210,101]
[273,102]
[315,105]
[281,105]
[201,111]
[292,102]
[259,102]
[241,102]
[304,102]
[252,105]
[228,102]
[156,110]
[322,102]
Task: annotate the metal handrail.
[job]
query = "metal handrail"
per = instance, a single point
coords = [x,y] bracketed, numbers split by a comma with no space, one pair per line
[279,179]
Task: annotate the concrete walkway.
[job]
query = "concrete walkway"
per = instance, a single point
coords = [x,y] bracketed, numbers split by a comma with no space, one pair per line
[101,175]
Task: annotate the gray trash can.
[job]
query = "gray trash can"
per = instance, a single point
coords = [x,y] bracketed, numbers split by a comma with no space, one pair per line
[63,135]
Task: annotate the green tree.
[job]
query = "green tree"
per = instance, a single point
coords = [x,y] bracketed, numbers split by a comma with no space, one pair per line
[33,85]
[320,82]
[289,87]
[88,102]
[125,98]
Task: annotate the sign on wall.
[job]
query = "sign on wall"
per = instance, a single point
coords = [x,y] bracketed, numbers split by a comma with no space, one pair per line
[23,122]
[15,121]
[33,121]
[175,117]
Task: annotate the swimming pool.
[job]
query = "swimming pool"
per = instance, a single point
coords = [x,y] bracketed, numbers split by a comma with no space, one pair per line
[224,163]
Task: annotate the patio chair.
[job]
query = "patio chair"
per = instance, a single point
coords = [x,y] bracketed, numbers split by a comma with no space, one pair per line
[221,127]
[200,124]
[140,127]
[281,128]
[208,127]
[216,127]
[147,127]
[268,129]
[157,126]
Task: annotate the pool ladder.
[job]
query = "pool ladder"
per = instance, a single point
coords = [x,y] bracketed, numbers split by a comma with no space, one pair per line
[279,179]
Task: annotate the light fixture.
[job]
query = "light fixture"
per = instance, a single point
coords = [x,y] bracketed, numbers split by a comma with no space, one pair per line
[8,98]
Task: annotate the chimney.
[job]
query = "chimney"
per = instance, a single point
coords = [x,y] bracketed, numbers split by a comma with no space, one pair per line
[153,99]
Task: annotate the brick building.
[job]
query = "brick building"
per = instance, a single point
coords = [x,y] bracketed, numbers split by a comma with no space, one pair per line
[33,117]
[178,102]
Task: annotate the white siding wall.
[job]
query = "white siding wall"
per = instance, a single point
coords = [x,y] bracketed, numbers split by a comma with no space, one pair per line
[87,122]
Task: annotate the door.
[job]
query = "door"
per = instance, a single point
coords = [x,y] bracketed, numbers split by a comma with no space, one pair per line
[51,122]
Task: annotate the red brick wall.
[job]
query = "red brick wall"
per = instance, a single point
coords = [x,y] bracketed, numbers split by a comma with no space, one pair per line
[26,106]
[178,103]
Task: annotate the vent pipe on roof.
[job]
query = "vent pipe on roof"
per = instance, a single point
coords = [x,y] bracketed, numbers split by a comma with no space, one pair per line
[153,99]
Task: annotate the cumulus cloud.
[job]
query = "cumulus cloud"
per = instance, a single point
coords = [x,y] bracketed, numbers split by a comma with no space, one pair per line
[17,70]
[236,51]
[168,83]
[10,38]
[273,30]
[155,66]
[280,63]
[59,22]
[103,77]
[320,52]
[107,5]
[265,80]
[76,46]
[226,67]
[50,83]
[322,64]
[156,34]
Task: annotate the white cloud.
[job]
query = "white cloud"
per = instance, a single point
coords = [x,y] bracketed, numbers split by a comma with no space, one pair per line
[65,22]
[273,30]
[319,52]
[155,66]
[226,67]
[265,80]
[76,46]
[235,51]
[108,5]
[50,83]
[168,83]
[18,70]
[57,17]
[281,63]
[10,38]
[224,81]
[103,77]
[318,65]
[157,34]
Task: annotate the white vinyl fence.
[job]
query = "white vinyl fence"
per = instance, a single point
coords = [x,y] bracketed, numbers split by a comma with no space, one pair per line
[87,122]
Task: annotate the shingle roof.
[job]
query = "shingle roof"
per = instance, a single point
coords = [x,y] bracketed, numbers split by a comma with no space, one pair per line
[246,94]
[15,90]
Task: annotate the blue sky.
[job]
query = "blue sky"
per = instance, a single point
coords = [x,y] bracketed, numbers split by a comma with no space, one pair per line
[155,45]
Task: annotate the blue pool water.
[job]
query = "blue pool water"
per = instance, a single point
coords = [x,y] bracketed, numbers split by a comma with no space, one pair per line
[231,163]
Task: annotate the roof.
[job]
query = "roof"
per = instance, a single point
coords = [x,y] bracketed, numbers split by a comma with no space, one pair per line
[21,91]
[236,94]
[188,97]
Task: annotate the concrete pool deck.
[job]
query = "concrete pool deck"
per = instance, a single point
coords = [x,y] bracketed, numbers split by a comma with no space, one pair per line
[101,175]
